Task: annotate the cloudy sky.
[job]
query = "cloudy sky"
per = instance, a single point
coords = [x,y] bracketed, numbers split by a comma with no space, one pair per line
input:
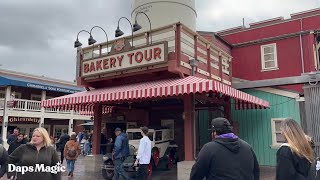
[37,36]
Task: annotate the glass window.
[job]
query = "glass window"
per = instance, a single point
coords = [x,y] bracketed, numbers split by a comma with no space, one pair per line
[269,57]
[134,135]
[277,137]
[158,135]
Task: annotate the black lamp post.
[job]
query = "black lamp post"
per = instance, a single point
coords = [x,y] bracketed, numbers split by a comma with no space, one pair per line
[77,43]
[92,41]
[137,27]
[119,33]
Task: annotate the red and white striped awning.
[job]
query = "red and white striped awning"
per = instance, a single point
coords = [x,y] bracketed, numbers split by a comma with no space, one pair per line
[152,89]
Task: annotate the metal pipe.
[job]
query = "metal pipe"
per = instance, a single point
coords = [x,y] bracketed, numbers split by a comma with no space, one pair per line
[301,48]
[194,119]
[104,33]
[130,26]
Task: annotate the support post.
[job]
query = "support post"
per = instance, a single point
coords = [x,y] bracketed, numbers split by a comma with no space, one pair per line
[188,127]
[6,116]
[70,129]
[97,129]
[43,97]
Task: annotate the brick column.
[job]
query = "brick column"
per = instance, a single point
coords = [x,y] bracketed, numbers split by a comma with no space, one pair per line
[188,127]
[97,129]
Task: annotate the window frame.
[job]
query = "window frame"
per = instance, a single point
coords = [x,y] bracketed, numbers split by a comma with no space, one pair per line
[35,96]
[263,61]
[274,132]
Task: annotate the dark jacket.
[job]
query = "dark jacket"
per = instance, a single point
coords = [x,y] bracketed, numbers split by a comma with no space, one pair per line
[226,158]
[28,155]
[11,138]
[14,146]
[290,166]
[3,162]
[63,141]
[121,146]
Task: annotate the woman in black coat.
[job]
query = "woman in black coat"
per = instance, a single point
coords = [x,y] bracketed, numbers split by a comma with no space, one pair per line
[294,157]
[38,158]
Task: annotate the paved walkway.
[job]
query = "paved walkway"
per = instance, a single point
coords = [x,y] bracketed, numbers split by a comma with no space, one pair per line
[89,167]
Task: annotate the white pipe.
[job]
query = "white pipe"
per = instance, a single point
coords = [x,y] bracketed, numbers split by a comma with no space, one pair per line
[301,48]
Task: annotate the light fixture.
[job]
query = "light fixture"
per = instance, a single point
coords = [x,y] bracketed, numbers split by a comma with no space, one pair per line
[92,41]
[119,33]
[193,63]
[137,27]
[77,43]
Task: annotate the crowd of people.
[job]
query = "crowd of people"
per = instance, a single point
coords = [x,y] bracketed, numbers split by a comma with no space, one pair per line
[225,157]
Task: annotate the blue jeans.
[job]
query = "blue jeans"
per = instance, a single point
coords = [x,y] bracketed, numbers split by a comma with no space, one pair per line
[70,165]
[119,171]
[87,148]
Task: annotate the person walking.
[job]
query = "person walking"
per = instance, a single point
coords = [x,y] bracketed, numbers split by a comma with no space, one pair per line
[38,151]
[144,155]
[13,137]
[226,157]
[294,157]
[64,138]
[14,145]
[121,151]
[3,161]
[72,150]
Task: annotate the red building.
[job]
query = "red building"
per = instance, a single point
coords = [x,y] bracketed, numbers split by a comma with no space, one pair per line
[277,59]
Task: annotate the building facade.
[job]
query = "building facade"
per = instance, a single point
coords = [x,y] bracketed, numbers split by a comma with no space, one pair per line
[277,60]
[20,104]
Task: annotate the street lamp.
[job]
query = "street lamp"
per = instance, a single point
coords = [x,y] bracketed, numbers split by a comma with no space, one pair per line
[119,33]
[77,43]
[137,27]
[92,41]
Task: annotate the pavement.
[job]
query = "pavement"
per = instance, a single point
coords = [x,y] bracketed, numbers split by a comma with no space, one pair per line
[89,167]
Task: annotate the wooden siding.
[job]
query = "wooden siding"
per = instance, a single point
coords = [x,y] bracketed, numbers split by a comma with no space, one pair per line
[255,125]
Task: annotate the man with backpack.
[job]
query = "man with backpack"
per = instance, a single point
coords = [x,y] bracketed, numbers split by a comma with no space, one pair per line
[226,157]
[121,151]
[71,152]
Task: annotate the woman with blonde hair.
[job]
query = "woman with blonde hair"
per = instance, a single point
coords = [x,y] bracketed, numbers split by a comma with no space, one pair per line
[294,157]
[35,155]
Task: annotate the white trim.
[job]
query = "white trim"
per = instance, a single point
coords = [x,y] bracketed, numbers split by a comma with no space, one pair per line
[273,131]
[279,92]
[275,58]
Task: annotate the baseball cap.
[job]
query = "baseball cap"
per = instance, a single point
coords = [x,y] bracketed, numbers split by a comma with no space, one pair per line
[117,129]
[220,124]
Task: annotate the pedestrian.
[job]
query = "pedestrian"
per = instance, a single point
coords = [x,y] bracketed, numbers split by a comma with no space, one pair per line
[38,151]
[226,157]
[121,152]
[13,137]
[64,138]
[71,152]
[294,157]
[103,141]
[144,154]
[3,161]
[14,145]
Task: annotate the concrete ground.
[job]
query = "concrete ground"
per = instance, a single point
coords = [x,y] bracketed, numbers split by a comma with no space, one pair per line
[90,168]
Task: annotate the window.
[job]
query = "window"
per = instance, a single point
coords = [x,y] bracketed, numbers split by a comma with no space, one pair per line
[269,57]
[35,97]
[158,135]
[277,137]
[3,95]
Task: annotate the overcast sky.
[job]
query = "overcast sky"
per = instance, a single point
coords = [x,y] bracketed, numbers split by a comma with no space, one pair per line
[37,36]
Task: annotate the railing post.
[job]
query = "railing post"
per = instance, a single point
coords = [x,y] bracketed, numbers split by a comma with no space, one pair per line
[220,66]
[147,35]
[25,105]
[178,44]
[209,60]
[195,46]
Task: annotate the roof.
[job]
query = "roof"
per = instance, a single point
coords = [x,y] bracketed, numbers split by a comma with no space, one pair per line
[152,90]
[20,81]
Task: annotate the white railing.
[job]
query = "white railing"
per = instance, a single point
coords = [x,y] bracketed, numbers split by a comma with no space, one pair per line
[26,105]
[33,106]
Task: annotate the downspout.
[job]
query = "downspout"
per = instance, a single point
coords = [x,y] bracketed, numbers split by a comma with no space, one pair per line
[301,48]
[194,120]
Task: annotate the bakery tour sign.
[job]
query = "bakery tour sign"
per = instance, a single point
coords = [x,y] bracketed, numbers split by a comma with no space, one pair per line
[130,59]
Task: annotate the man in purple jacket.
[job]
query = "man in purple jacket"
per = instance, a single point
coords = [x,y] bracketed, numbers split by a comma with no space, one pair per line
[226,157]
